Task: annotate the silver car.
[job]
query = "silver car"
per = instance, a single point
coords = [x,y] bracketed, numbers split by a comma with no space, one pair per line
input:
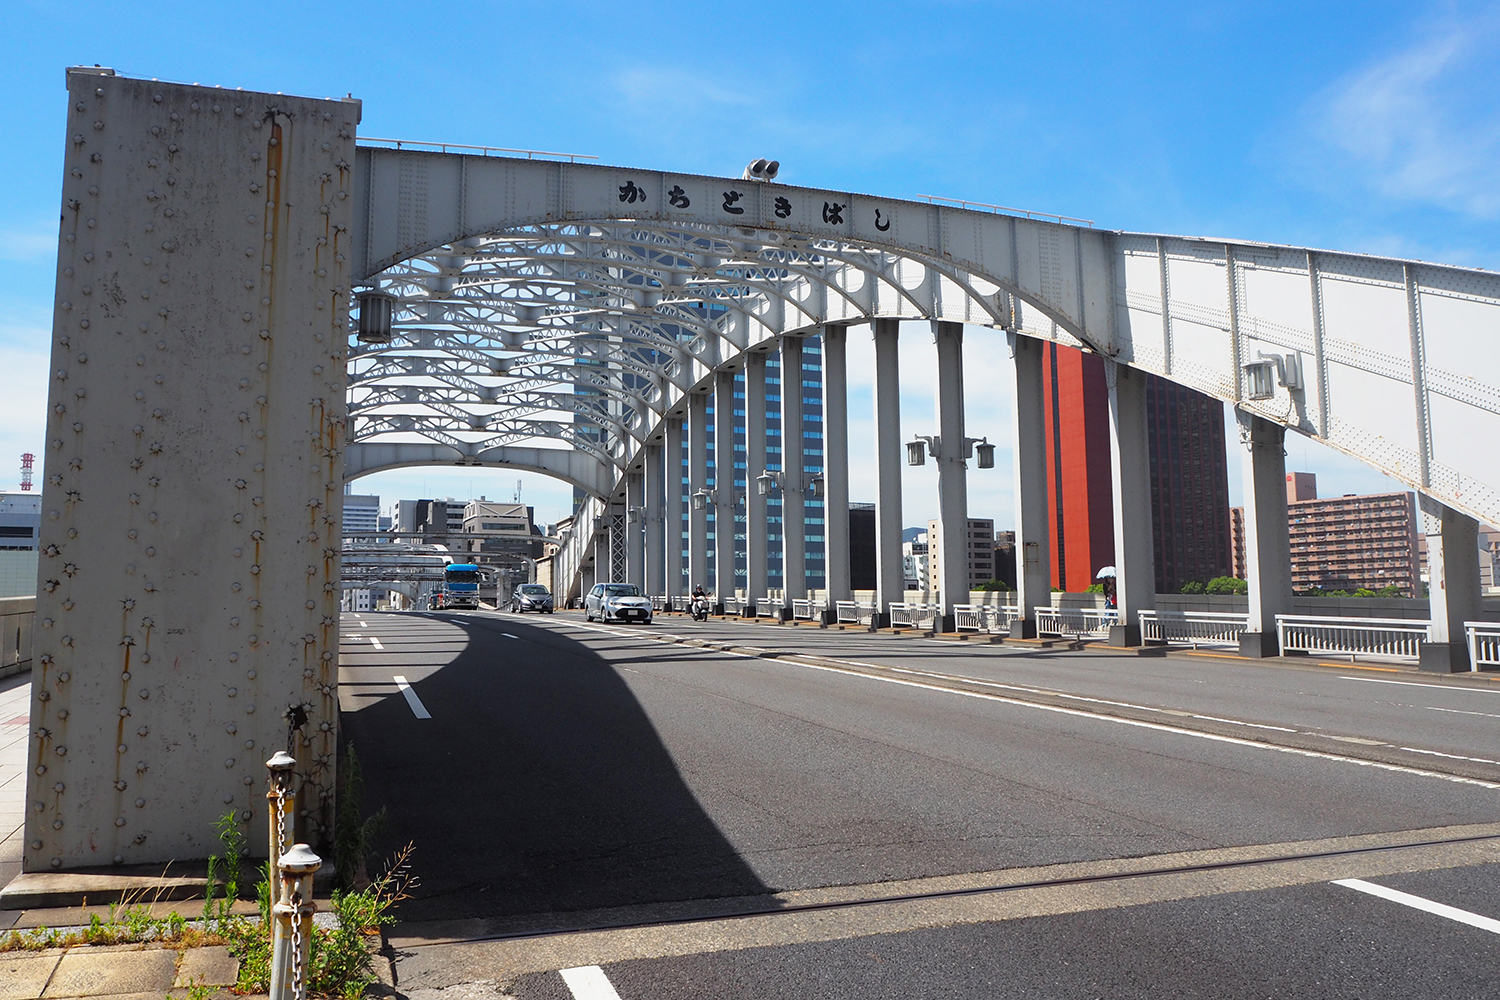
[531,597]
[620,602]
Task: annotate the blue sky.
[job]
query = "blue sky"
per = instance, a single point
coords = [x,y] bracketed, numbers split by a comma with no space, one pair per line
[1367,126]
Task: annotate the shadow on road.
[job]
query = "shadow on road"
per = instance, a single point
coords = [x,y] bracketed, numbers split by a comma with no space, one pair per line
[539,794]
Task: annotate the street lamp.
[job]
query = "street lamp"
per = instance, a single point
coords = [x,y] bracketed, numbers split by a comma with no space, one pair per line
[702,498]
[376,309]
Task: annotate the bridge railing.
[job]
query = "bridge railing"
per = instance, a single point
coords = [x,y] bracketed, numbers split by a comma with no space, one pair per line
[17,615]
[1077,622]
[854,613]
[1198,628]
[909,614]
[806,611]
[1484,644]
[995,619]
[734,605]
[768,607]
[1387,638]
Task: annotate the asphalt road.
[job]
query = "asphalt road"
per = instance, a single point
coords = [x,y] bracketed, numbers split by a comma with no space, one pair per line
[884,817]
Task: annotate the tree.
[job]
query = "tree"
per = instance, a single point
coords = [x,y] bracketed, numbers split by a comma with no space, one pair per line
[1192,587]
[1227,585]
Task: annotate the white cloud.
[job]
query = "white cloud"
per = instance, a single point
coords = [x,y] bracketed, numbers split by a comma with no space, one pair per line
[32,245]
[1420,125]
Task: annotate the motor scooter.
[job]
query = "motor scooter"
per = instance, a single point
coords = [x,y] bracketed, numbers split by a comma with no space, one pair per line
[699,608]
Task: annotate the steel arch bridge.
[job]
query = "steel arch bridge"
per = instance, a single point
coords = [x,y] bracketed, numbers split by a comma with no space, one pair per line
[207,401]
[535,296]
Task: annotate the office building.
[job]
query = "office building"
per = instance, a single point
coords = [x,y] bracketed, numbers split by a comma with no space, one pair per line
[361,515]
[20,526]
[914,555]
[1352,542]
[1237,566]
[1189,475]
[862,546]
[979,552]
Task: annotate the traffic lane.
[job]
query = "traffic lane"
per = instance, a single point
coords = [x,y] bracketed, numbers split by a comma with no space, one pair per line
[1442,716]
[821,778]
[1318,940]
[536,785]
[402,645]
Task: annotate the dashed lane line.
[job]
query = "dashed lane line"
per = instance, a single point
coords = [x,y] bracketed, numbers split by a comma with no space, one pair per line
[588,982]
[417,708]
[1425,905]
[377,643]
[509,636]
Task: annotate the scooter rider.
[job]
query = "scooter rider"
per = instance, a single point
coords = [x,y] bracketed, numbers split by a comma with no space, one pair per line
[699,604]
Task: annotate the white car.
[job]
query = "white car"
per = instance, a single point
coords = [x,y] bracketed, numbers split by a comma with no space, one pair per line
[621,602]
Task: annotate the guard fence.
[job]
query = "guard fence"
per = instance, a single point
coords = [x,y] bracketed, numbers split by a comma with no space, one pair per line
[1076,623]
[995,619]
[1196,628]
[854,612]
[1484,644]
[1386,638]
[906,614]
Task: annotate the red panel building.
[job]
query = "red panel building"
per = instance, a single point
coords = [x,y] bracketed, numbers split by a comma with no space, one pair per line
[1076,414]
[1189,478]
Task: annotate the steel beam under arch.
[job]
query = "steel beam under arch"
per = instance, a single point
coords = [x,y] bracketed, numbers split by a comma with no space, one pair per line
[572,467]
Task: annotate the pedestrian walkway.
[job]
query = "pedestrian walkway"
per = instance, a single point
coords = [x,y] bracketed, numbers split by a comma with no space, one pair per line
[15,703]
[122,972]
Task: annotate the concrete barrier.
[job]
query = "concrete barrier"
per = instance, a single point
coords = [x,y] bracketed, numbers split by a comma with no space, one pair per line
[17,615]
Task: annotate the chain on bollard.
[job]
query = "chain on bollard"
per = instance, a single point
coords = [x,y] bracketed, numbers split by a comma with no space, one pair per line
[282,802]
[292,923]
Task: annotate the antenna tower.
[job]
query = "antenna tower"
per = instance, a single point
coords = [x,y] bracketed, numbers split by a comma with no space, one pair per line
[518,492]
[27,461]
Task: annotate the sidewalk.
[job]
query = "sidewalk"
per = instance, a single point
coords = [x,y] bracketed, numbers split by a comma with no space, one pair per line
[121,971]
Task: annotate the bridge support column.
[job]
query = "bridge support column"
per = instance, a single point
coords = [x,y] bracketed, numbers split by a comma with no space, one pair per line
[1029,471]
[697,483]
[757,548]
[655,516]
[1130,460]
[890,575]
[635,530]
[192,497]
[793,479]
[1453,591]
[672,511]
[724,489]
[953,489]
[835,467]
[1268,558]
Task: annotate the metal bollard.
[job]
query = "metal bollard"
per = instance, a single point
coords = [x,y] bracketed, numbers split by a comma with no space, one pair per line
[291,923]
[281,801]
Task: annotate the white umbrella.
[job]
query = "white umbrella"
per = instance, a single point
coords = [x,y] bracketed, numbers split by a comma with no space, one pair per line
[1106,571]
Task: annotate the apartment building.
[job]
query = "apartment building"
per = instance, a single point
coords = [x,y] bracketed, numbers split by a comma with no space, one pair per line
[1349,542]
[979,549]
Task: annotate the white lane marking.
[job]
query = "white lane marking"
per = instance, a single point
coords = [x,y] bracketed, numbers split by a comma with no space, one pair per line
[1453,756]
[1416,684]
[1418,903]
[362,624]
[1159,727]
[417,708]
[376,643]
[1081,713]
[1459,711]
[1082,698]
[509,636]
[589,982]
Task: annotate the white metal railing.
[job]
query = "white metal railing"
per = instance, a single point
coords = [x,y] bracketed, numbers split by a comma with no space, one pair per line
[854,613]
[768,607]
[912,614]
[806,611]
[1484,644]
[1389,638]
[734,605]
[985,617]
[1092,622]
[658,602]
[962,203]
[1198,628]
[443,147]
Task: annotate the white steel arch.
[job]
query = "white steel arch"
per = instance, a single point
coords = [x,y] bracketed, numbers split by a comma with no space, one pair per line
[693,271]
